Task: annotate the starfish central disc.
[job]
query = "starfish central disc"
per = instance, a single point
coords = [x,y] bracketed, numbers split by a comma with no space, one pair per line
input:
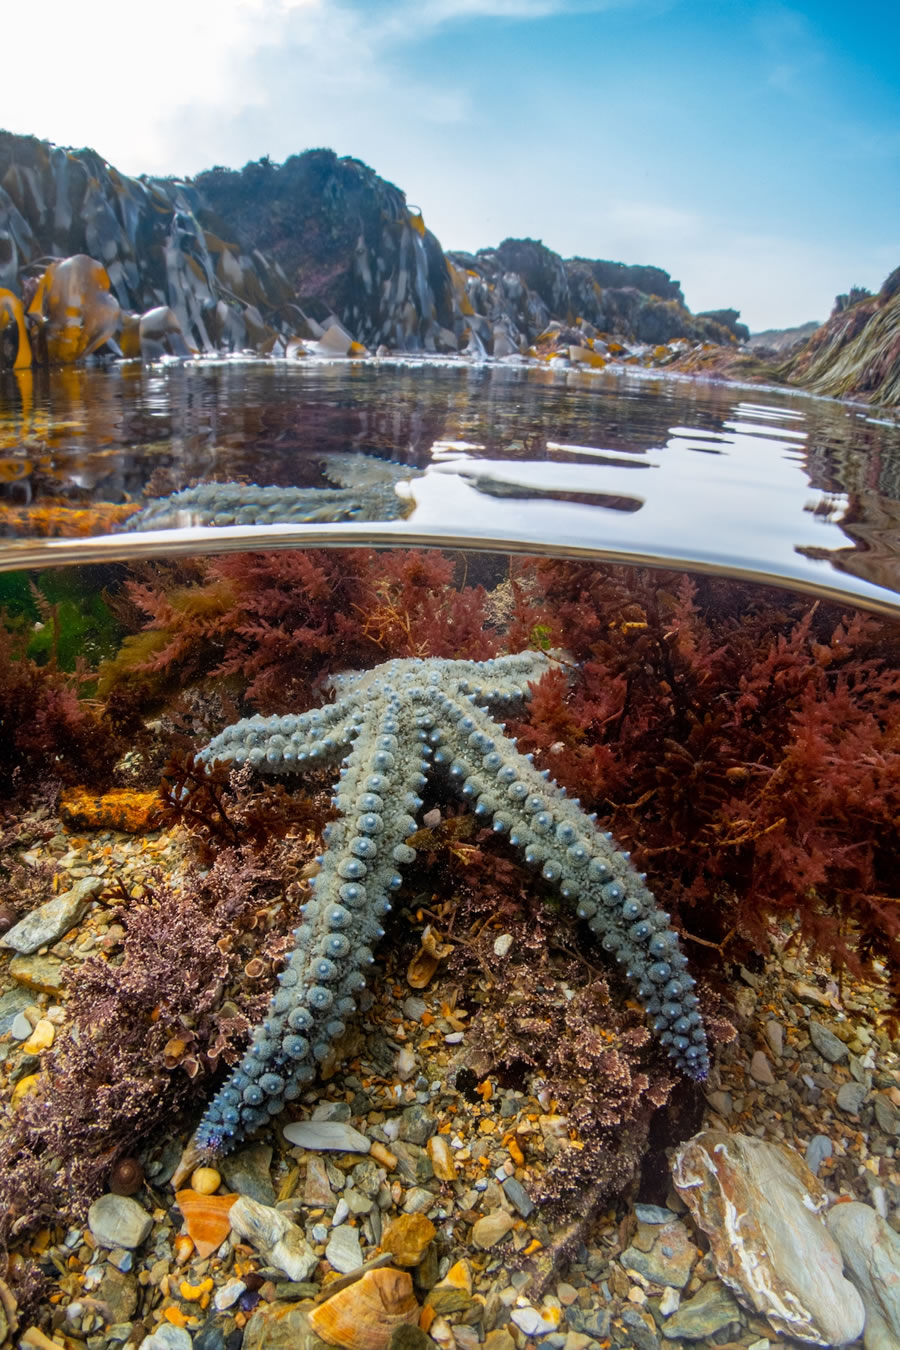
[387,727]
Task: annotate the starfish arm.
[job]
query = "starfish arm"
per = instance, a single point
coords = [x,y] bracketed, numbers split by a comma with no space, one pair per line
[285,744]
[592,873]
[376,798]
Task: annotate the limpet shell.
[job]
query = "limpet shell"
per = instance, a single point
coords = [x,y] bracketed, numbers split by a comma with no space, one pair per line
[366,1315]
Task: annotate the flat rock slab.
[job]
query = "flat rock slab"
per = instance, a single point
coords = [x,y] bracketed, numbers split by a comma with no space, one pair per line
[326,1135]
[760,1207]
[829,1046]
[344,1251]
[50,921]
[42,973]
[871,1251]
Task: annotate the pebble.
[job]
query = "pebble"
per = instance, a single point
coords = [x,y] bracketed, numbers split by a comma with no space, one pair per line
[12,1004]
[502,944]
[774,1033]
[21,1028]
[41,1038]
[317,1188]
[326,1136]
[827,1044]
[871,1252]
[761,1069]
[167,1337]
[850,1097]
[228,1294]
[491,1228]
[445,1168]
[886,1114]
[518,1196]
[343,1251]
[817,1150]
[205,1180]
[710,1310]
[534,1323]
[119,1221]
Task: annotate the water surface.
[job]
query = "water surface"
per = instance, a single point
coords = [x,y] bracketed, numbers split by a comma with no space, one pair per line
[632,467]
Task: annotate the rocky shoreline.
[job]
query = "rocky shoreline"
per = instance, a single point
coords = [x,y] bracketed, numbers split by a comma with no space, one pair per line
[404,1149]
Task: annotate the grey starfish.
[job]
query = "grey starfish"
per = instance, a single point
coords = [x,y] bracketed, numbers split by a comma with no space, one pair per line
[365,491]
[389,725]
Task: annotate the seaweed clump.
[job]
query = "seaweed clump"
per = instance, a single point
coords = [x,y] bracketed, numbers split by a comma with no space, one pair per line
[743,742]
[277,622]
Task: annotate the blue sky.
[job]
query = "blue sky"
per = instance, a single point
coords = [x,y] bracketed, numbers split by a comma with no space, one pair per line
[750,148]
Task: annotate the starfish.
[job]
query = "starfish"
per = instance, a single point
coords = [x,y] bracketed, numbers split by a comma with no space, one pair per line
[391,726]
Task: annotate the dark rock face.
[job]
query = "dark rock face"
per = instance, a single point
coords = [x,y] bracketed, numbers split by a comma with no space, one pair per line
[856,353]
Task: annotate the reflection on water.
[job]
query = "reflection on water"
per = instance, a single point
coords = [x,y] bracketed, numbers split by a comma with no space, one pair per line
[715,476]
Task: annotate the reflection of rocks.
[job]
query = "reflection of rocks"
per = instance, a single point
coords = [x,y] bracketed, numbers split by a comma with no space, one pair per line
[367,492]
[760,1207]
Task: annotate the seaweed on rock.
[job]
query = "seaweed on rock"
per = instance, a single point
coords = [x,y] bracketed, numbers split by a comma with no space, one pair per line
[745,743]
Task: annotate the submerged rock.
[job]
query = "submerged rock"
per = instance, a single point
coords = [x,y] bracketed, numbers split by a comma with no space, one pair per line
[760,1207]
[50,921]
[871,1252]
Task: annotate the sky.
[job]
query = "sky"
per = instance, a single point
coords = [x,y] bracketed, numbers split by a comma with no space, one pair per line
[750,148]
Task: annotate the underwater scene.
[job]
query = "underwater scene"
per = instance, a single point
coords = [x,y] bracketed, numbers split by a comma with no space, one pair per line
[449,835]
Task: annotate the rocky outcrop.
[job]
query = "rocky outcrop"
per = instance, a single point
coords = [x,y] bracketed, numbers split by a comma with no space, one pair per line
[782,341]
[856,354]
[316,250]
[348,244]
[522,286]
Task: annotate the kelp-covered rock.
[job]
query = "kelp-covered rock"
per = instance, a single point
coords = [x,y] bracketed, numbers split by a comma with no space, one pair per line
[857,352]
[157,241]
[319,248]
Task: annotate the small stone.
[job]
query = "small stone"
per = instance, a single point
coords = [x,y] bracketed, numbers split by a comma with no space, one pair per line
[817,1150]
[343,1251]
[414,1009]
[119,1291]
[407,1238]
[491,1228]
[14,1002]
[500,1339]
[417,1200]
[721,1102]
[502,944]
[566,1293]
[405,1063]
[518,1197]
[827,1044]
[850,1097]
[761,1069]
[536,1322]
[886,1114]
[118,1221]
[417,1124]
[654,1214]
[281,1243]
[341,1212]
[229,1294]
[326,1136]
[248,1172]
[167,1337]
[643,1336]
[21,1027]
[205,1180]
[50,921]
[774,1033]
[591,1321]
[278,1326]
[669,1259]
[317,1189]
[40,1039]
[671,1298]
[410,1337]
[710,1310]
[445,1168]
